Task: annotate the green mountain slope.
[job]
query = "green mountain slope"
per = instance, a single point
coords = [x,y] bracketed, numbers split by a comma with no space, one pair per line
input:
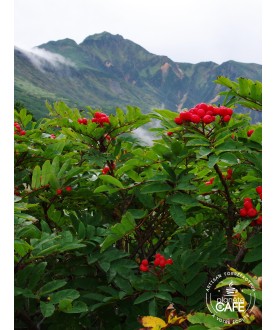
[107,71]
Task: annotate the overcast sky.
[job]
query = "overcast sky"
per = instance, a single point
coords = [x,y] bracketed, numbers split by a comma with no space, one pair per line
[185,30]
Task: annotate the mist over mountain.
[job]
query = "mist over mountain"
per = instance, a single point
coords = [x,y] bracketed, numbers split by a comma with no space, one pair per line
[106,71]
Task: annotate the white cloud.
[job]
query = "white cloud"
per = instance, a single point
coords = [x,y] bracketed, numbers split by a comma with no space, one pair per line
[41,58]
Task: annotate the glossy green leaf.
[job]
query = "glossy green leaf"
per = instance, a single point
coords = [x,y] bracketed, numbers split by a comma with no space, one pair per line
[36,177]
[47,309]
[144,297]
[178,215]
[155,187]
[64,294]
[111,180]
[51,286]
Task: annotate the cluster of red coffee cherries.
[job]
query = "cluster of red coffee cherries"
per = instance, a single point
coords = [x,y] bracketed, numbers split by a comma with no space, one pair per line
[227,177]
[159,261]
[60,190]
[99,117]
[106,169]
[18,129]
[249,209]
[204,113]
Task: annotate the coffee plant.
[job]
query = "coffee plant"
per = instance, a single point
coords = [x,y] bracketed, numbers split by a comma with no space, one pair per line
[111,233]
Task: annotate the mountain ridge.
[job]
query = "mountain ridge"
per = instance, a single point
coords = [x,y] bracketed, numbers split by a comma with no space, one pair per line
[107,71]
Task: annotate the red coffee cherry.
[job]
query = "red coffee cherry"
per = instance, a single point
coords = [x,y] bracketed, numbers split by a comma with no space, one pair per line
[185,115]
[106,169]
[259,190]
[248,205]
[226,118]
[169,261]
[243,212]
[195,119]
[22,132]
[59,191]
[207,119]
[250,132]
[143,268]
[252,213]
[178,121]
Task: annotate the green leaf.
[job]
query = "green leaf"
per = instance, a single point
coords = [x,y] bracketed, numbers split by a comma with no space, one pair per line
[256,293]
[144,297]
[235,281]
[64,294]
[64,167]
[155,187]
[138,213]
[47,309]
[213,159]
[253,255]
[54,214]
[30,231]
[178,215]
[163,296]
[228,158]
[45,172]
[206,319]
[244,86]
[65,305]
[226,82]
[111,180]
[36,177]
[21,247]
[124,285]
[197,142]
[229,146]
[102,188]
[254,241]
[37,274]
[71,246]
[203,152]
[81,230]
[193,221]
[182,198]
[167,113]
[258,269]
[24,292]
[78,307]
[125,227]
[51,286]
[241,226]
[196,283]
[120,115]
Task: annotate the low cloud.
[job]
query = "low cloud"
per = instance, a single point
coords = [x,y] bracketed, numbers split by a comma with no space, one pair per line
[145,135]
[42,59]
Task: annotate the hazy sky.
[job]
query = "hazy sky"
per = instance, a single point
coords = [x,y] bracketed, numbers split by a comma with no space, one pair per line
[185,30]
